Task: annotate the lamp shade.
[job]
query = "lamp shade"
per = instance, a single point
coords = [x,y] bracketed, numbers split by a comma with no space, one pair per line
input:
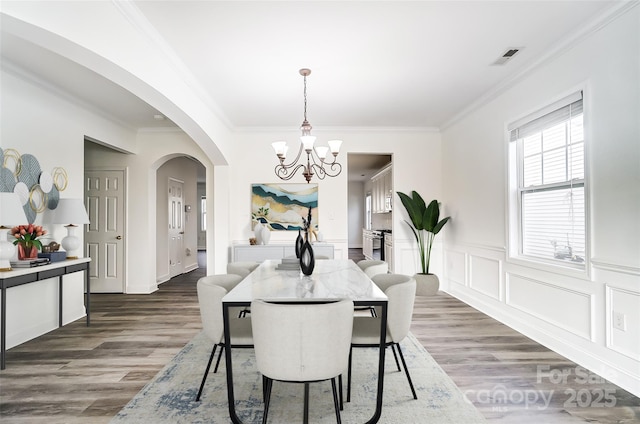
[70,211]
[11,212]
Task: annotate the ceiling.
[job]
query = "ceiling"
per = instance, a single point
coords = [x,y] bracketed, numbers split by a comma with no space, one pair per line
[375,64]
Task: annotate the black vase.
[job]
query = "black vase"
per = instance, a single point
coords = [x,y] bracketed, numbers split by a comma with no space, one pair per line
[299,243]
[307,259]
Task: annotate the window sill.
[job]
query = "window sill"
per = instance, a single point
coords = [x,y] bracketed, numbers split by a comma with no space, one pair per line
[580,271]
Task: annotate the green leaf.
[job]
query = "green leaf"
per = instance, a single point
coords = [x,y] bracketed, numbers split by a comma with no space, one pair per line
[412,209]
[415,233]
[418,201]
[440,224]
[431,216]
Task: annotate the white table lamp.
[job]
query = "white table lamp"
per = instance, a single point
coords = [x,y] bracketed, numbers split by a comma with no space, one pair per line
[11,214]
[72,213]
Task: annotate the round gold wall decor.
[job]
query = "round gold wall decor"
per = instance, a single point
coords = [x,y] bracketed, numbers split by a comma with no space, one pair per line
[37,199]
[12,161]
[60,179]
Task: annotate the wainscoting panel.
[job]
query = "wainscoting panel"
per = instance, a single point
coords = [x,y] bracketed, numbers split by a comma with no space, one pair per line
[485,276]
[623,323]
[567,309]
[455,266]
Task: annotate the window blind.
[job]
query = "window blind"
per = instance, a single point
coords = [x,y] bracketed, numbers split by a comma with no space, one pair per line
[551,114]
[551,182]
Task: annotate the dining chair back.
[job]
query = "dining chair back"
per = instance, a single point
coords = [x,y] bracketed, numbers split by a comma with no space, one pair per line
[302,342]
[226,281]
[373,267]
[241,268]
[401,293]
[211,289]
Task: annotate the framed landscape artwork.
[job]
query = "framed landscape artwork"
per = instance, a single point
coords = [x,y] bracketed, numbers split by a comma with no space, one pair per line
[282,206]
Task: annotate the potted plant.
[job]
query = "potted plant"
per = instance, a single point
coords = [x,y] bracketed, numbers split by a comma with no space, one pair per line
[26,237]
[425,224]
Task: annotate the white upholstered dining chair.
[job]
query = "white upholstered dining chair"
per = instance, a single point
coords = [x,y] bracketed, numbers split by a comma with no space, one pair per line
[241,268]
[373,267]
[302,342]
[211,290]
[401,291]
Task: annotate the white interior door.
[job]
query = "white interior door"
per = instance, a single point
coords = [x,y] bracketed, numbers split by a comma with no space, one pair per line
[104,191]
[176,227]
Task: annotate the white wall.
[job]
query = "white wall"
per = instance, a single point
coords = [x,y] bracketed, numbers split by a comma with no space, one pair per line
[114,40]
[422,174]
[569,312]
[51,128]
[157,147]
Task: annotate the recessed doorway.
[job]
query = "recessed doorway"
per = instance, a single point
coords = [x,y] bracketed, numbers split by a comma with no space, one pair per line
[361,168]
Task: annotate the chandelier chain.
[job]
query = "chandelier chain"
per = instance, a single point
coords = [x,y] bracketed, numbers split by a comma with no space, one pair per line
[305,98]
[317,159]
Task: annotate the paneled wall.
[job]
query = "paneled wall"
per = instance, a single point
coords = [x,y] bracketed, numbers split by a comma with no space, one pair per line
[591,316]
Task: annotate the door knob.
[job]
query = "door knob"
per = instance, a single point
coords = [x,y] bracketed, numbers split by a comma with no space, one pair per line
[118,237]
[181,232]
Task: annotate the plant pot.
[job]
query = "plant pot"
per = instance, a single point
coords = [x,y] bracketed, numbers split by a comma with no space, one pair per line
[25,252]
[427,284]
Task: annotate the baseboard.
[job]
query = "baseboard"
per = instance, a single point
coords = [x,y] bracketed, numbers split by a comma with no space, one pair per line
[163,278]
[578,354]
[191,268]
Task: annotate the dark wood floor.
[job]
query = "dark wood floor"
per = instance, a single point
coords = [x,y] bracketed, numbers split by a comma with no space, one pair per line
[77,374]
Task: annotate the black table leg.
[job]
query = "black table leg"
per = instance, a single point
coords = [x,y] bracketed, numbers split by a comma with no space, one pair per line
[3,328]
[227,356]
[88,295]
[60,301]
[383,338]
[230,393]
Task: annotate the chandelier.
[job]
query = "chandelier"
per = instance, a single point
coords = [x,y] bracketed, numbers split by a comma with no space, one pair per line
[316,156]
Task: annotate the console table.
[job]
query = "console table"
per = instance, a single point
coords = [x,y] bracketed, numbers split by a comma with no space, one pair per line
[259,253]
[20,276]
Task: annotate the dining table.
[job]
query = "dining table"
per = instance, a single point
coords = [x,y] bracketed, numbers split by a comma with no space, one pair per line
[330,280]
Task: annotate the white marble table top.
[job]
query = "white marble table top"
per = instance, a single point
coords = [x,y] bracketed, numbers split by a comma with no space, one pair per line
[331,279]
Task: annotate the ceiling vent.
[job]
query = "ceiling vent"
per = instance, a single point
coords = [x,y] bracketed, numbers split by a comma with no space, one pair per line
[509,54]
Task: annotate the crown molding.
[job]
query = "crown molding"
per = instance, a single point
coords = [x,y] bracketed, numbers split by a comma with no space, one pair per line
[139,21]
[602,20]
[351,130]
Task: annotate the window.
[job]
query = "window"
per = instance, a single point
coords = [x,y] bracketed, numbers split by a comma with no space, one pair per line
[550,174]
[203,213]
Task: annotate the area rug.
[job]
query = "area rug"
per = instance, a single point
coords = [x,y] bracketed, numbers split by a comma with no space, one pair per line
[169,397]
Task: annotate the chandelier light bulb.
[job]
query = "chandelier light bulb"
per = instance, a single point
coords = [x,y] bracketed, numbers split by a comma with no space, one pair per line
[316,159]
[307,142]
[335,146]
[280,147]
[322,151]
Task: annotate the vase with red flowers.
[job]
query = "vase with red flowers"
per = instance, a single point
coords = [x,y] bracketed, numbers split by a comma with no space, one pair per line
[26,238]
